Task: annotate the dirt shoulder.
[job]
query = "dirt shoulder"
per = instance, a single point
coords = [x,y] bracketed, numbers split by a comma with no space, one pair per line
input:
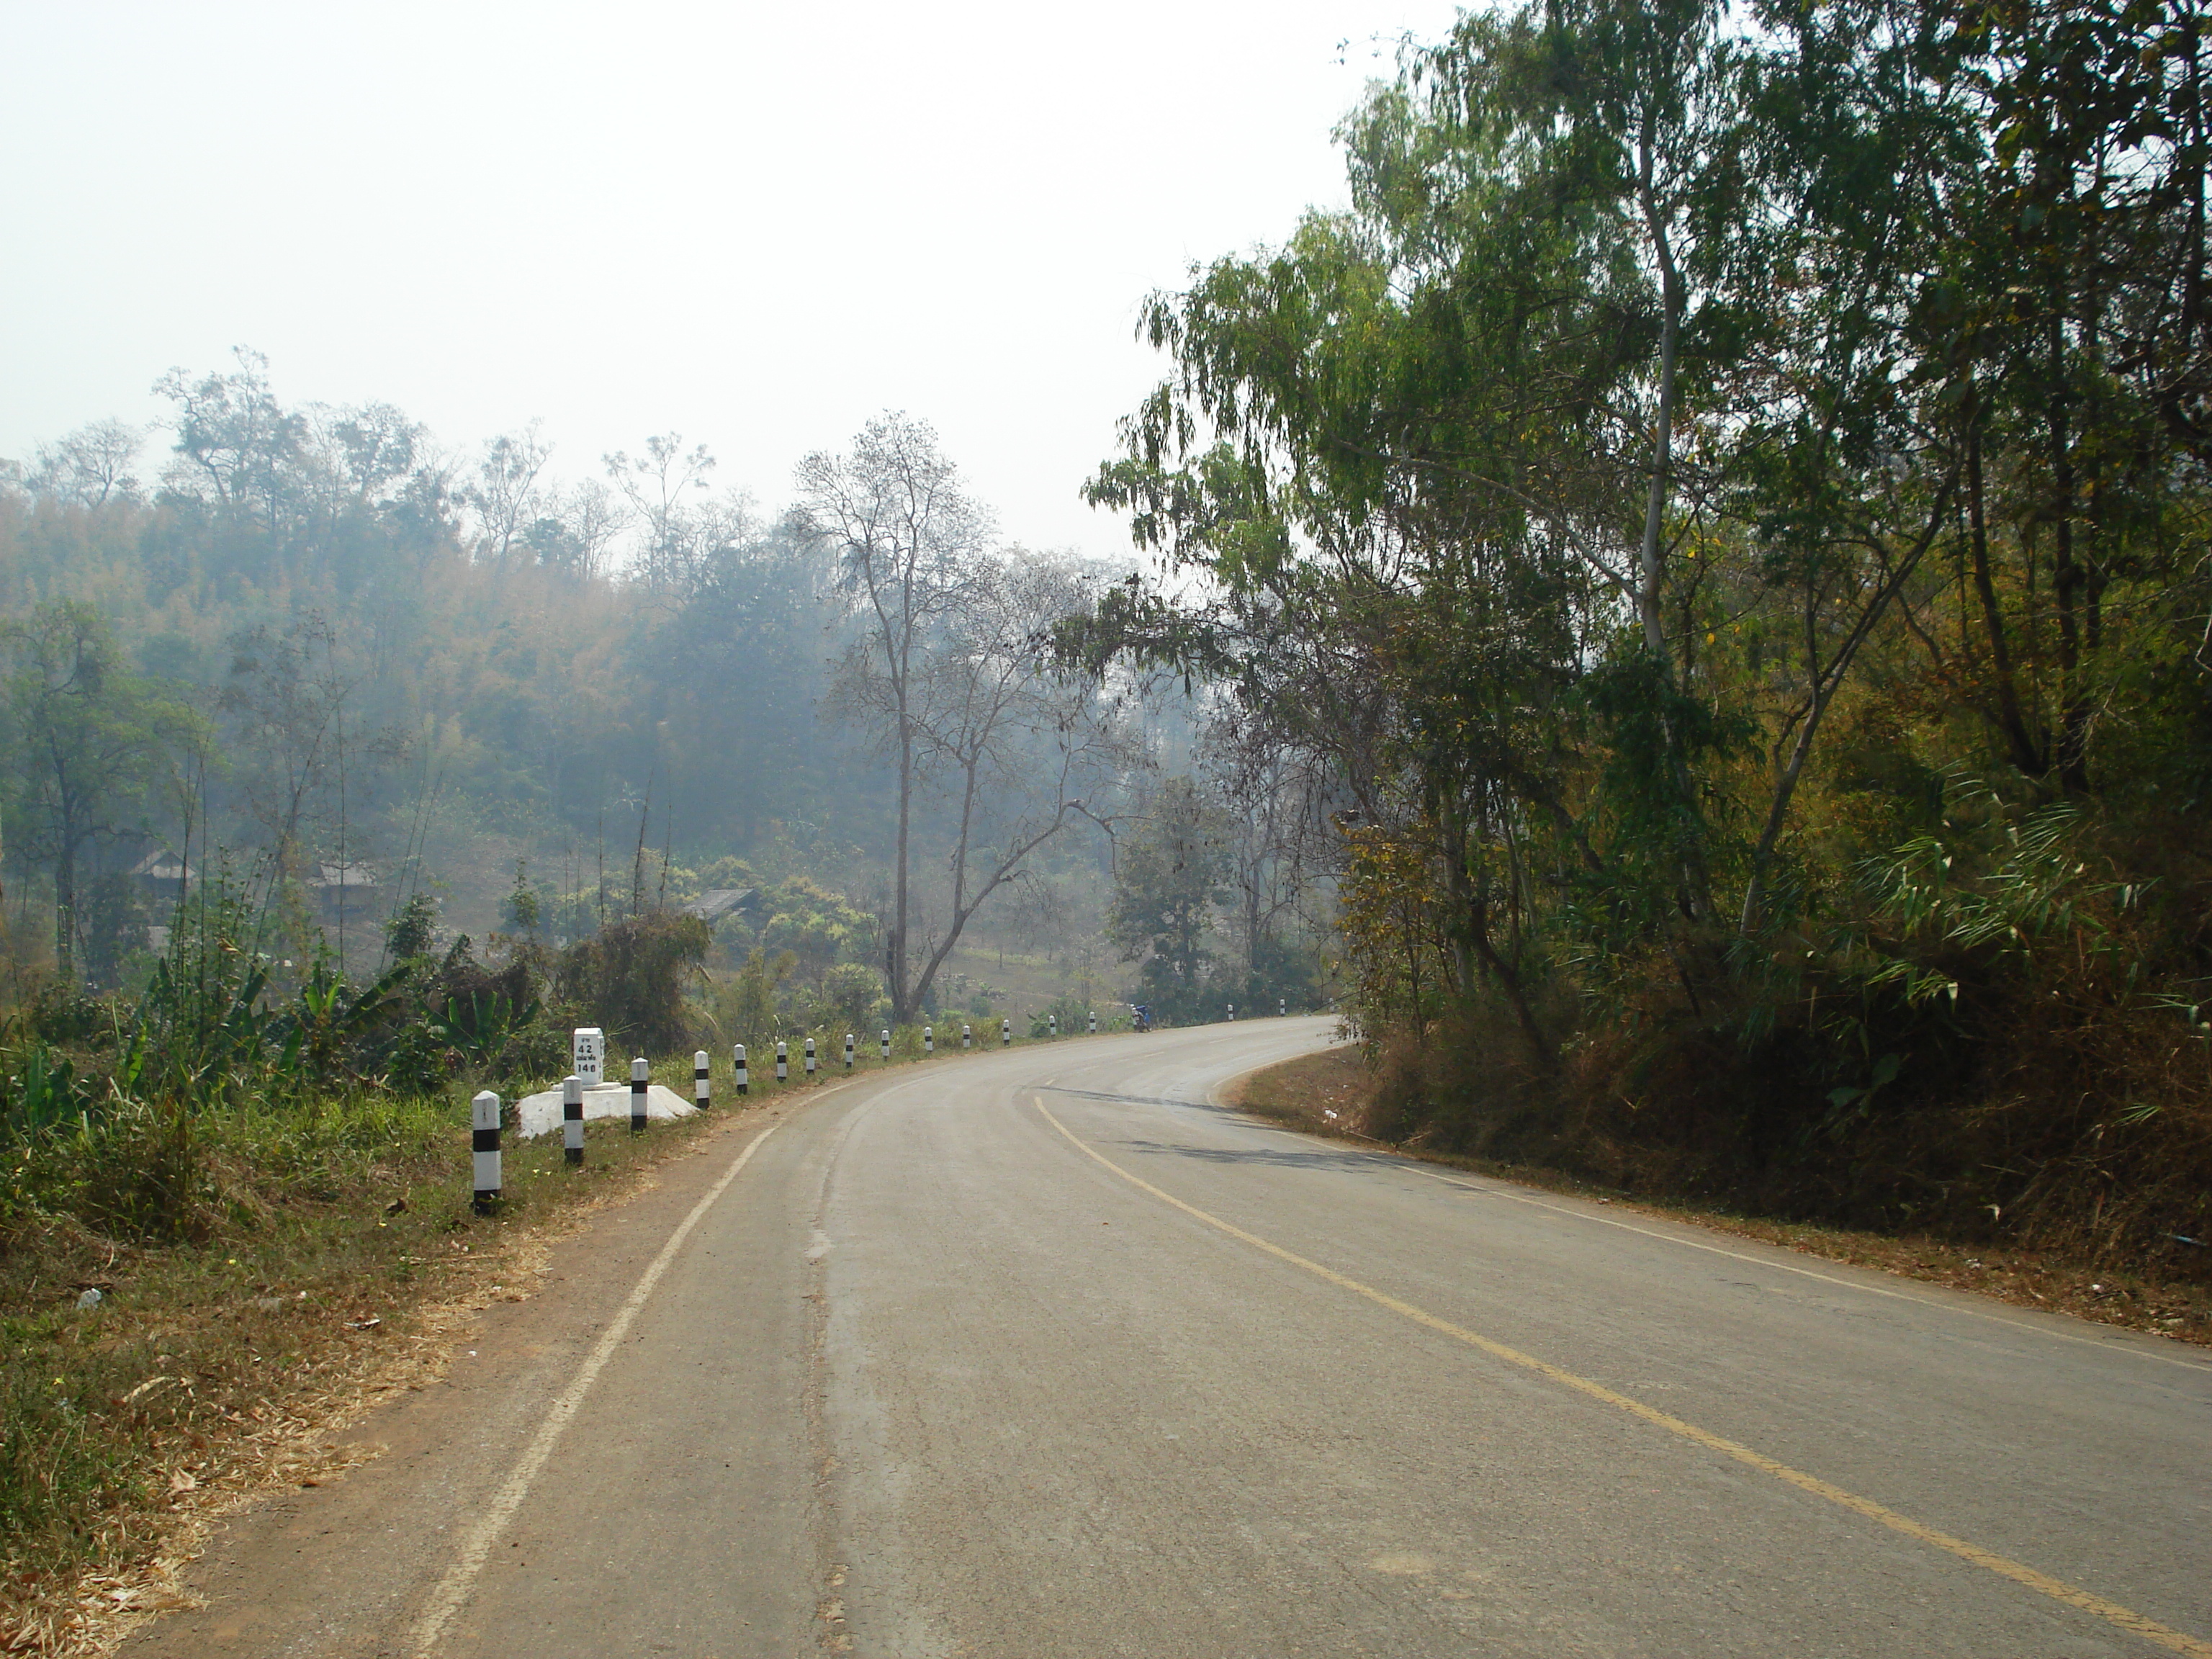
[263,1354]
[1323,1094]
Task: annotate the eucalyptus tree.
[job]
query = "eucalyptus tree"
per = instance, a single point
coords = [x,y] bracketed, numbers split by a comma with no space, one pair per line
[1841,459]
[2075,272]
[304,774]
[1167,886]
[1420,438]
[1278,796]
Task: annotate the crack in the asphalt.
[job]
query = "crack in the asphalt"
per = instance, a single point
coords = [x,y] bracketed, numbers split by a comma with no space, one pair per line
[1133,1100]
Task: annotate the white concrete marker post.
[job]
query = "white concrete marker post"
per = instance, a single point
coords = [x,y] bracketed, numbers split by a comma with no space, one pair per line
[1094,1022]
[967,1037]
[887,1045]
[702,1080]
[737,1054]
[588,1052]
[641,1079]
[928,1041]
[1005,1033]
[848,1051]
[1232,1013]
[572,1118]
[782,1061]
[1282,1007]
[484,1125]
[810,1060]
[1055,1023]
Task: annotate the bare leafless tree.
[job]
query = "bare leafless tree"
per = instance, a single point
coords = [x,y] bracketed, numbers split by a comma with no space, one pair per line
[92,464]
[1021,752]
[946,673]
[906,540]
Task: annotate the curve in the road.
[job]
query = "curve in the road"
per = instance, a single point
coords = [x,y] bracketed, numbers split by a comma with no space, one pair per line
[2112,1613]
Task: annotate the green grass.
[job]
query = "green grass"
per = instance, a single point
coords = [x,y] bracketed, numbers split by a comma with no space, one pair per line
[307,1226]
[314,1237]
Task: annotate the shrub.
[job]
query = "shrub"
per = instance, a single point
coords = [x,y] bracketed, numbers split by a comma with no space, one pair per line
[631,978]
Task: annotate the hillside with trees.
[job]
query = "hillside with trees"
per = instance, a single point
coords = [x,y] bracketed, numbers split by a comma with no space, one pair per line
[1723,517]
[360,675]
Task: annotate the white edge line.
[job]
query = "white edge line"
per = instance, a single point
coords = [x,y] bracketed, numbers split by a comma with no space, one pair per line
[461,1578]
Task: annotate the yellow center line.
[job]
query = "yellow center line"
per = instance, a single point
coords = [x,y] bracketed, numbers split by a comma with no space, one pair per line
[2112,1612]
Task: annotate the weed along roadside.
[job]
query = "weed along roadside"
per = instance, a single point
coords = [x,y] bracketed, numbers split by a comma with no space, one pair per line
[338,1248]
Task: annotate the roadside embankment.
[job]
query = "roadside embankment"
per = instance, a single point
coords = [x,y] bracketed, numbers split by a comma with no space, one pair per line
[1328,1094]
[329,1255]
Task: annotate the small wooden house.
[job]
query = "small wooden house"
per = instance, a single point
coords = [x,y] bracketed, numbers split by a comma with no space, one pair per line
[712,906]
[347,892]
[162,878]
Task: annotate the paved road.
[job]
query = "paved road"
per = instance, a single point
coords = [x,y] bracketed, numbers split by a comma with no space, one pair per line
[1040,1354]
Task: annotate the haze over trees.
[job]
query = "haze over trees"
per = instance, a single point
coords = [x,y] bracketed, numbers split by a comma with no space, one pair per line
[947,668]
[371,675]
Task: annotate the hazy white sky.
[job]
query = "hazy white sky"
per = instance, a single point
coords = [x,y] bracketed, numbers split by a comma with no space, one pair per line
[756,225]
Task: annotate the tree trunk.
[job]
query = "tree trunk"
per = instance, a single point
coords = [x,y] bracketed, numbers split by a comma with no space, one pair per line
[901,1011]
[1695,897]
[2027,753]
[1649,570]
[2066,577]
[65,910]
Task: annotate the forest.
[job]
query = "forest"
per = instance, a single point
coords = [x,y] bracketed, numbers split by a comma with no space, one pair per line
[1682,612]
[1721,519]
[371,676]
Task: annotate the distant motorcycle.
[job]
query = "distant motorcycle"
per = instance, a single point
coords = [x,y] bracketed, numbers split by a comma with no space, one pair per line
[1143,1016]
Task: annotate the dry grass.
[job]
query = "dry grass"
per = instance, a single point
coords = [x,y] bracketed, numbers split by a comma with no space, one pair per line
[215,1373]
[1331,1093]
[211,1375]
[1324,1093]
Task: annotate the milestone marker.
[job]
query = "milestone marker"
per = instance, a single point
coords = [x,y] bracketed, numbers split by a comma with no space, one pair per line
[588,1051]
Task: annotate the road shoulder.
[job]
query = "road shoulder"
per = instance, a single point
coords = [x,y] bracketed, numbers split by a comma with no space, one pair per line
[1320,1095]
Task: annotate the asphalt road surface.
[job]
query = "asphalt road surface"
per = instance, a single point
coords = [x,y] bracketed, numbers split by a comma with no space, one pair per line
[1040,1353]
